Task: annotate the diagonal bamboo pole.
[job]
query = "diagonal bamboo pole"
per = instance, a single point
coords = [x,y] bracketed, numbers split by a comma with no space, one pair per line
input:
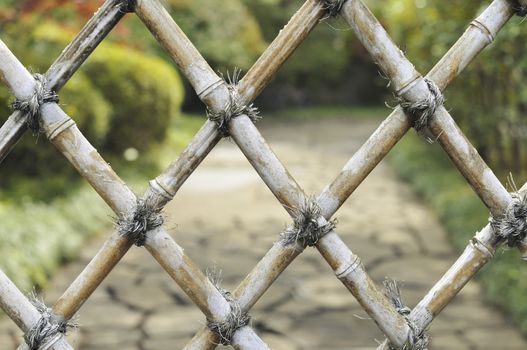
[269,167]
[22,312]
[62,132]
[360,165]
[167,184]
[66,65]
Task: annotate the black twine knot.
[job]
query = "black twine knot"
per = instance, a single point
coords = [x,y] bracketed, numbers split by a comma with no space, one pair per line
[333,7]
[417,340]
[126,6]
[48,329]
[30,106]
[512,225]
[143,218]
[234,107]
[308,225]
[236,319]
[519,9]
[421,111]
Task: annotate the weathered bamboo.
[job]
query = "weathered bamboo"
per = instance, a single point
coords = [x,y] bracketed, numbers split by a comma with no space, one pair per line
[409,84]
[166,185]
[22,312]
[270,169]
[361,164]
[66,65]
[479,251]
[63,133]
[163,188]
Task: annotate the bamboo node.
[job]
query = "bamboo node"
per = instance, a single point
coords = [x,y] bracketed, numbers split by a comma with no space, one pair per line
[234,107]
[30,106]
[421,111]
[143,218]
[417,339]
[333,7]
[519,9]
[512,225]
[48,329]
[235,320]
[308,225]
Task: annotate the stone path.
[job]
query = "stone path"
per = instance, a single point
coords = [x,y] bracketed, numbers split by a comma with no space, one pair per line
[226,219]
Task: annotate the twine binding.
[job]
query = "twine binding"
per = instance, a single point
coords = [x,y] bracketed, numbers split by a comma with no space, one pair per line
[30,106]
[47,330]
[236,319]
[143,218]
[234,107]
[417,339]
[421,111]
[126,6]
[512,225]
[308,225]
[333,7]
[519,9]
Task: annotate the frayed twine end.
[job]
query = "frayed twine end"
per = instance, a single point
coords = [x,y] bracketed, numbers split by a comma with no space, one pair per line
[30,106]
[234,107]
[308,225]
[519,9]
[421,111]
[512,226]
[143,218]
[236,319]
[333,7]
[49,327]
[417,340]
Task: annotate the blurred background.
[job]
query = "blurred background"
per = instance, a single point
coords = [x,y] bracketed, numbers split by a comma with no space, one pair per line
[139,112]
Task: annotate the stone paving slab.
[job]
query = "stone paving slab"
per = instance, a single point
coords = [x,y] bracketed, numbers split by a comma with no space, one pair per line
[226,219]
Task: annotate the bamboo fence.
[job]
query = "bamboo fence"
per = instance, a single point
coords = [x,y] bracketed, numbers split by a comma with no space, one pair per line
[230,112]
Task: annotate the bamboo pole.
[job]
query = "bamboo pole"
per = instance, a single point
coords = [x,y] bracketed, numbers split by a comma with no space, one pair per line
[479,251]
[22,312]
[166,185]
[409,84]
[65,66]
[63,133]
[361,164]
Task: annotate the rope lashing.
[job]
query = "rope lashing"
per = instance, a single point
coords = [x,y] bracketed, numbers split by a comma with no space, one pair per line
[234,107]
[519,9]
[308,225]
[512,225]
[421,111]
[143,218]
[417,340]
[236,319]
[333,7]
[127,6]
[30,106]
[48,329]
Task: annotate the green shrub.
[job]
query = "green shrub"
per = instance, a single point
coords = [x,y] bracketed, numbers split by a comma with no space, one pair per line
[36,237]
[145,94]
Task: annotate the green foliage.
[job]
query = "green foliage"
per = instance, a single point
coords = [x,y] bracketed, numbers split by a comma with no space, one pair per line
[36,237]
[489,99]
[226,33]
[145,94]
[429,170]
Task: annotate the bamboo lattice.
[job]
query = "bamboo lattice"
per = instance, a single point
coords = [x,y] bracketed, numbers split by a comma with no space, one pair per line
[140,220]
